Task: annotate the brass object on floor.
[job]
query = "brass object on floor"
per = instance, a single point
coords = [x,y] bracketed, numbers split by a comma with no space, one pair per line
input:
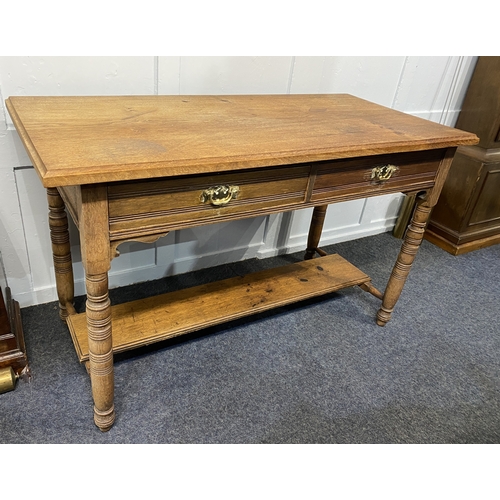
[7,379]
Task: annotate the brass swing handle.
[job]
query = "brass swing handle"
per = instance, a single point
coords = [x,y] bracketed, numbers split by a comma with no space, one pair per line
[219,195]
[383,173]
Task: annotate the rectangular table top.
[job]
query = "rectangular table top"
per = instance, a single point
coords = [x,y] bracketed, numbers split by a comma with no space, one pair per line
[92,139]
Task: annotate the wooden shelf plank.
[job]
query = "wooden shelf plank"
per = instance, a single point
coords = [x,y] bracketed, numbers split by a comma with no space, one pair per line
[157,318]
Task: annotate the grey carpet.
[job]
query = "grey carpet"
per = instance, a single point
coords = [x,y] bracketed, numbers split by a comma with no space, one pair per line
[320,371]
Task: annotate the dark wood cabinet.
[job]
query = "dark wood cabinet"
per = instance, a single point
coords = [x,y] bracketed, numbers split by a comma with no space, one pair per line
[12,347]
[467,216]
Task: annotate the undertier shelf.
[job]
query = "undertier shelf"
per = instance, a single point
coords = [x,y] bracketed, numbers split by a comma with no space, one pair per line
[143,322]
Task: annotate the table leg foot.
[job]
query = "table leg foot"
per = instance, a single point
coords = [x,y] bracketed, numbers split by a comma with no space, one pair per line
[309,253]
[383,316]
[104,419]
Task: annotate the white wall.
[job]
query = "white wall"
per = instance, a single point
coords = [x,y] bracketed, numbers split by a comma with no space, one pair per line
[429,87]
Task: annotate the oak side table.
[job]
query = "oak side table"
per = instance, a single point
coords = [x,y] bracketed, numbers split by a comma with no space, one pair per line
[137,167]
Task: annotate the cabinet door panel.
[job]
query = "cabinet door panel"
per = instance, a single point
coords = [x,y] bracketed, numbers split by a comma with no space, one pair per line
[487,207]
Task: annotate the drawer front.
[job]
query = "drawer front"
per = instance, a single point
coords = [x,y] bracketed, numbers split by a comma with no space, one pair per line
[155,205]
[373,175]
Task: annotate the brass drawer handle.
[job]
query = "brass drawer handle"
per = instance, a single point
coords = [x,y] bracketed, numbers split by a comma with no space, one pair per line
[383,173]
[219,195]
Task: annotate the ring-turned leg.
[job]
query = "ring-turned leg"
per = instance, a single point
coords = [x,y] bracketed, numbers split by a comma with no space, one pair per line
[412,240]
[98,311]
[409,248]
[315,229]
[94,236]
[61,251]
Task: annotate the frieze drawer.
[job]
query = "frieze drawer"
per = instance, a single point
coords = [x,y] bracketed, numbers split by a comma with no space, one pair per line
[159,205]
[374,175]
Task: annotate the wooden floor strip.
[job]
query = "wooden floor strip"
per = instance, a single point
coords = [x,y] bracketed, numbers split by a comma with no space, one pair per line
[157,318]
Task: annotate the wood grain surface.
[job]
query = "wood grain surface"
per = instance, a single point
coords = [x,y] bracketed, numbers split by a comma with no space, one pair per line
[143,322]
[91,139]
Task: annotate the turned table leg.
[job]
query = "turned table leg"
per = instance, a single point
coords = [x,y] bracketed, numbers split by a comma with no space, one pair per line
[315,229]
[61,252]
[409,248]
[98,311]
[412,240]
[94,234]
